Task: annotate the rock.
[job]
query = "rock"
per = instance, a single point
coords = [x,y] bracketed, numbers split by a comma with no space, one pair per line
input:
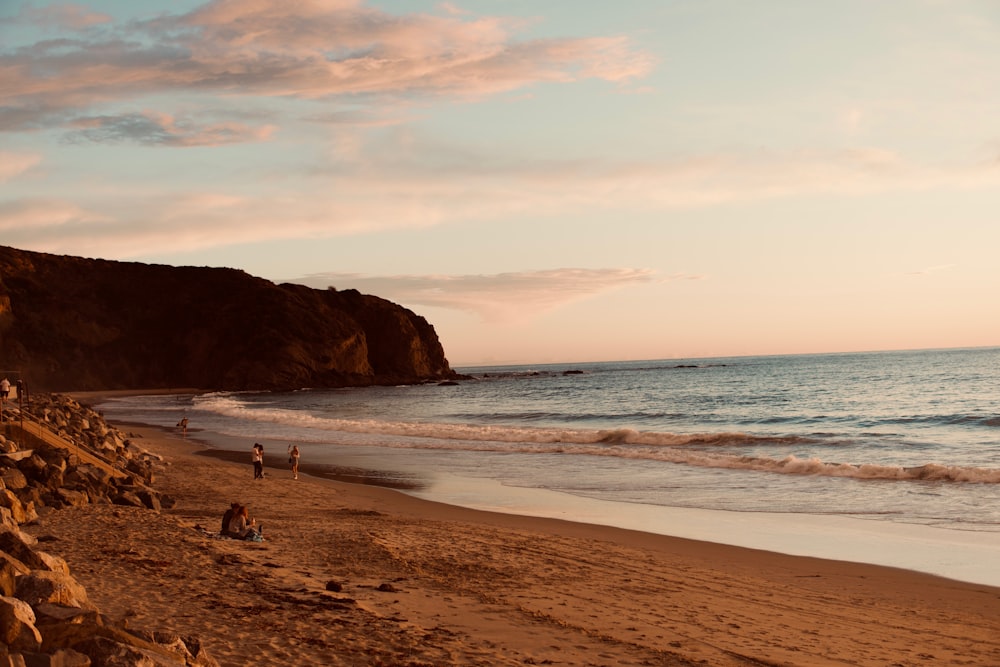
[14,479]
[71,498]
[61,658]
[32,496]
[48,614]
[40,586]
[46,619]
[110,646]
[17,625]
[14,504]
[64,627]
[53,563]
[150,499]
[189,647]
[92,476]
[7,520]
[10,569]
[31,466]
[52,477]
[20,546]
[128,498]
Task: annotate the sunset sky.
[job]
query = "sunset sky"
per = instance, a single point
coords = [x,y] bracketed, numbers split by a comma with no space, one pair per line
[543,180]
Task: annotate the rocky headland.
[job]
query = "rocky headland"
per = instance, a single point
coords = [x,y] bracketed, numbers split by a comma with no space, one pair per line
[77,324]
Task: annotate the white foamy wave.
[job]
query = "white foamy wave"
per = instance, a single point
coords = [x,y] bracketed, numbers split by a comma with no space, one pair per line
[229,405]
[695,449]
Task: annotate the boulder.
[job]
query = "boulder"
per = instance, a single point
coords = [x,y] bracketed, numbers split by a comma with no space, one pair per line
[61,658]
[14,504]
[150,499]
[40,586]
[7,520]
[10,569]
[31,466]
[128,498]
[48,614]
[14,479]
[113,647]
[71,498]
[52,477]
[17,625]
[53,563]
[20,546]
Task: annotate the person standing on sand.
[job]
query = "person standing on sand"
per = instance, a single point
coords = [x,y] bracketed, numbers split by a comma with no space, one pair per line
[4,389]
[293,458]
[183,423]
[258,460]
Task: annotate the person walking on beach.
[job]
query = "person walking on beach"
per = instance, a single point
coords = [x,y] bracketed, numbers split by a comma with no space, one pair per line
[258,460]
[183,423]
[293,458]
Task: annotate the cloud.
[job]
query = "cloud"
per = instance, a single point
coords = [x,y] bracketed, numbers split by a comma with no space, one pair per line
[502,297]
[151,128]
[13,165]
[67,15]
[930,269]
[410,183]
[306,49]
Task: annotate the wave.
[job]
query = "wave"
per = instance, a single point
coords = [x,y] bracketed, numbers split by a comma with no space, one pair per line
[705,450]
[228,405]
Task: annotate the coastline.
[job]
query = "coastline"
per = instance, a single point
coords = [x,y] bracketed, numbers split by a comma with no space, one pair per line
[963,555]
[422,582]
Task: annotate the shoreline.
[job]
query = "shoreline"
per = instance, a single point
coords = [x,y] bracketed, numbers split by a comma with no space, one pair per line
[354,574]
[966,556]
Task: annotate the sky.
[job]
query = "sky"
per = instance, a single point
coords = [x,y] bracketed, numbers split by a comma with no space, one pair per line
[544,180]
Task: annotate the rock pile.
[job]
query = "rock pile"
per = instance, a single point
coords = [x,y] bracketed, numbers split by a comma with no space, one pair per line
[45,617]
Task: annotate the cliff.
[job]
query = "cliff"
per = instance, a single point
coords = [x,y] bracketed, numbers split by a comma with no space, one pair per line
[69,323]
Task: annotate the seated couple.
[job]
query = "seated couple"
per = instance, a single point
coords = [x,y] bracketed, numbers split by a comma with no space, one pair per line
[235,524]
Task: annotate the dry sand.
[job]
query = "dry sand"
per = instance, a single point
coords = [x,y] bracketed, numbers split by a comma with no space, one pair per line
[428,584]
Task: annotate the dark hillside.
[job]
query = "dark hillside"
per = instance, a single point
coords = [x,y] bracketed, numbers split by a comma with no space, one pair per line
[69,323]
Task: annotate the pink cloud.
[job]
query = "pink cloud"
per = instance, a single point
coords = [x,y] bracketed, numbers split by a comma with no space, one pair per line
[311,49]
[71,16]
[501,297]
[13,165]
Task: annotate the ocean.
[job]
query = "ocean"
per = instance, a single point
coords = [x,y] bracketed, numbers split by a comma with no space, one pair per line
[884,457]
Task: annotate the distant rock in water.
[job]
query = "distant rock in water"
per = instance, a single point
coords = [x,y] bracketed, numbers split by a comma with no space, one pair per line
[69,323]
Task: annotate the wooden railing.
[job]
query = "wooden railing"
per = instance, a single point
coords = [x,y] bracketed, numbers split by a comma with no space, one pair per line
[30,429]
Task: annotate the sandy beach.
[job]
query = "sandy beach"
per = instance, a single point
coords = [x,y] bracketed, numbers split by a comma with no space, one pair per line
[353,574]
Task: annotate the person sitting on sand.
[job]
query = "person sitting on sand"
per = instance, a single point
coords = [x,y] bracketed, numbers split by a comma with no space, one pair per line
[227,518]
[243,528]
